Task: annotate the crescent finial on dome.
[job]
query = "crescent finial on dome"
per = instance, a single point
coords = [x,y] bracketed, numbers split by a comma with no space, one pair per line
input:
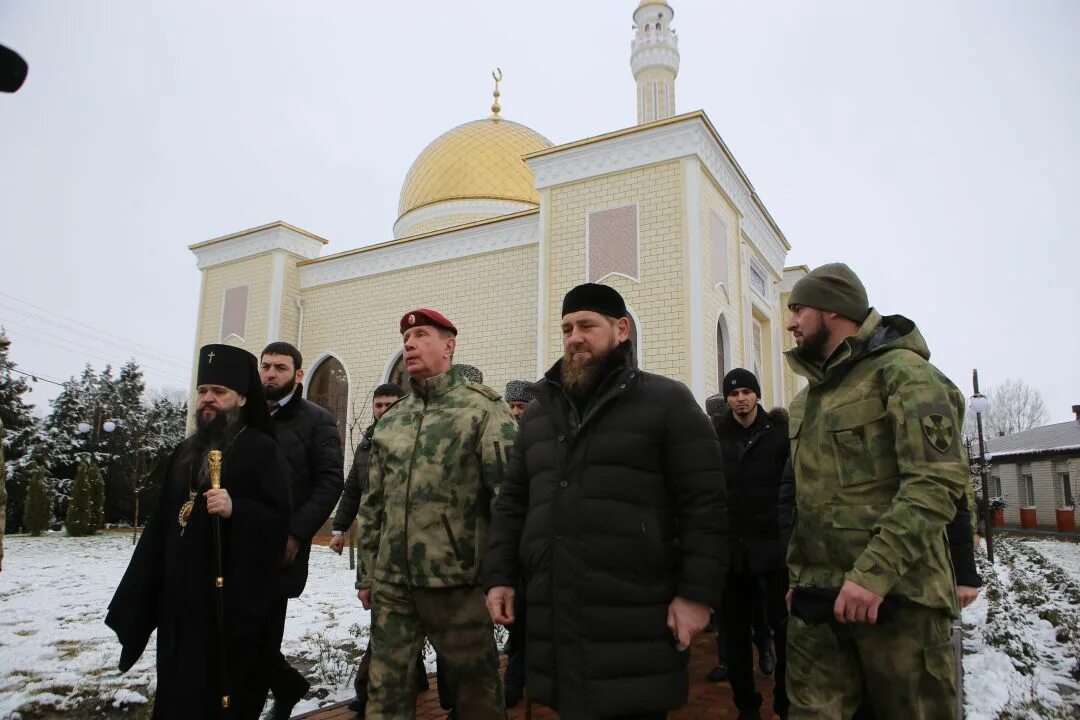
[495,107]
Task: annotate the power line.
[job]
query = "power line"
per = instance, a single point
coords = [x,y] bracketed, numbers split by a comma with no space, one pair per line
[37,376]
[91,353]
[146,348]
[91,336]
[25,328]
[95,333]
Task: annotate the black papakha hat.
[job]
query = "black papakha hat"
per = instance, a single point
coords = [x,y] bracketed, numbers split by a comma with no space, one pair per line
[741,378]
[228,366]
[715,404]
[833,288]
[597,298]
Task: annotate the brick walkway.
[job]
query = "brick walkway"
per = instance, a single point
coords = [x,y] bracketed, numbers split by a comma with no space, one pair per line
[707,700]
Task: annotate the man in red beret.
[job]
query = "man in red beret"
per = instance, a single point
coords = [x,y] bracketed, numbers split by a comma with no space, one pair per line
[437,459]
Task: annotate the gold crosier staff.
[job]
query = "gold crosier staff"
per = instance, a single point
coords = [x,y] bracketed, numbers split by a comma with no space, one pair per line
[219,579]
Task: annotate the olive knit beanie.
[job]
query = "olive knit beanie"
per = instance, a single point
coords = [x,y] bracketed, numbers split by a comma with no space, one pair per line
[833,288]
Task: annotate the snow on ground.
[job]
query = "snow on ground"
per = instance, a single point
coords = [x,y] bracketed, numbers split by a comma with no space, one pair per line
[55,649]
[1022,636]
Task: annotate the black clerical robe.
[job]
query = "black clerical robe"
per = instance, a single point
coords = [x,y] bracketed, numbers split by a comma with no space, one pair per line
[169,583]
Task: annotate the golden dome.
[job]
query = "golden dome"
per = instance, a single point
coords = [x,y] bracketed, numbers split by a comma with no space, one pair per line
[477,160]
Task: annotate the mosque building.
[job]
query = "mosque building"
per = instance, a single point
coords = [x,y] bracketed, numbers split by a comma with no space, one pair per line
[496,222]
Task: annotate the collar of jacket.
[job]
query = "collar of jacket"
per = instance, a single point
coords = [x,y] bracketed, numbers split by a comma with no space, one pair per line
[876,334]
[439,385]
[290,408]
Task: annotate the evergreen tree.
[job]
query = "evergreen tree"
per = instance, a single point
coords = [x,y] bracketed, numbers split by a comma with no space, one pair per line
[80,510]
[125,404]
[20,429]
[3,492]
[162,430]
[37,512]
[96,486]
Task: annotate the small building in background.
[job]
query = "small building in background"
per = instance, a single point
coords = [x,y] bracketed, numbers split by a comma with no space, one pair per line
[1035,471]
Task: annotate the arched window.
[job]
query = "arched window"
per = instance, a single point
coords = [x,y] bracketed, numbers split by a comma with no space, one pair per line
[398,374]
[721,351]
[636,336]
[328,386]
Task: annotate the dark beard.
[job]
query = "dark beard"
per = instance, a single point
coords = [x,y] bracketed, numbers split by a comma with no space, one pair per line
[275,394]
[812,348]
[212,434]
[580,379]
[215,433]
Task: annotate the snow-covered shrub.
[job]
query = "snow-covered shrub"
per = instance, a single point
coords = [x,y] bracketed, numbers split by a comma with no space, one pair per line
[37,511]
[81,510]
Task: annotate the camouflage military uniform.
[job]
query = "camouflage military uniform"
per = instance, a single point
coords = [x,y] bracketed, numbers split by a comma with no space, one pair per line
[876,451]
[437,458]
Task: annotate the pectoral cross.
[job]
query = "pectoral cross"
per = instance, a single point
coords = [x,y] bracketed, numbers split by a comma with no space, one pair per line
[210,358]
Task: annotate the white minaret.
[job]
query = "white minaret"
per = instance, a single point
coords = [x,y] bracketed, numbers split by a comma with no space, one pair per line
[654,58]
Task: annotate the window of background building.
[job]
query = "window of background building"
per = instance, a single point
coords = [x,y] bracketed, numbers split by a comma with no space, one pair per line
[234,313]
[1066,490]
[758,350]
[995,486]
[1027,490]
[757,280]
[329,387]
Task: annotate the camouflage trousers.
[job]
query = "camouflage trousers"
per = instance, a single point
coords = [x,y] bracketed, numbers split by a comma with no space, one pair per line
[903,669]
[457,623]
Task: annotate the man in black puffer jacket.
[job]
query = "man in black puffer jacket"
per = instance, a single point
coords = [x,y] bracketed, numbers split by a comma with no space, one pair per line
[755,448]
[309,438]
[612,512]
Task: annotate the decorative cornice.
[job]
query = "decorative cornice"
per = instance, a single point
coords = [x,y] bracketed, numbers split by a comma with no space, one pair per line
[248,243]
[680,137]
[489,207]
[450,245]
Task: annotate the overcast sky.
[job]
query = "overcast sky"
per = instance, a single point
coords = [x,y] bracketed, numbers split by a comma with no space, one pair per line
[932,145]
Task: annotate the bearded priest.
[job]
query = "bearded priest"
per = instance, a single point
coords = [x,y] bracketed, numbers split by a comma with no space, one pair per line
[170,583]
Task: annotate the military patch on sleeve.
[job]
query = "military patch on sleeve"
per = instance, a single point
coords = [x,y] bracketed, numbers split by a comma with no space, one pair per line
[939,433]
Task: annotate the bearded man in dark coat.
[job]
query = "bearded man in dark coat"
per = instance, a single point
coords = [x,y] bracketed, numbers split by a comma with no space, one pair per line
[170,582]
[612,510]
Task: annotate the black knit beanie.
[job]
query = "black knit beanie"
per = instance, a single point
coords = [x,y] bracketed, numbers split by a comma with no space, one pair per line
[832,288]
[741,378]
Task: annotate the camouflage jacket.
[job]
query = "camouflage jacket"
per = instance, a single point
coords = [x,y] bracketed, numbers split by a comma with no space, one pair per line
[875,444]
[437,458]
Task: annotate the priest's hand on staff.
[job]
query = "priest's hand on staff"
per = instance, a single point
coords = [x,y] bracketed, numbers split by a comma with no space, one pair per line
[218,502]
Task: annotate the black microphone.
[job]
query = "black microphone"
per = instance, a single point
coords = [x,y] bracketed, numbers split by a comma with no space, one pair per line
[13,70]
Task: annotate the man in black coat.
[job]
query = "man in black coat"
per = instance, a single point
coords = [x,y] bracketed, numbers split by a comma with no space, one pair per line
[613,513]
[755,449]
[309,438]
[170,583]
